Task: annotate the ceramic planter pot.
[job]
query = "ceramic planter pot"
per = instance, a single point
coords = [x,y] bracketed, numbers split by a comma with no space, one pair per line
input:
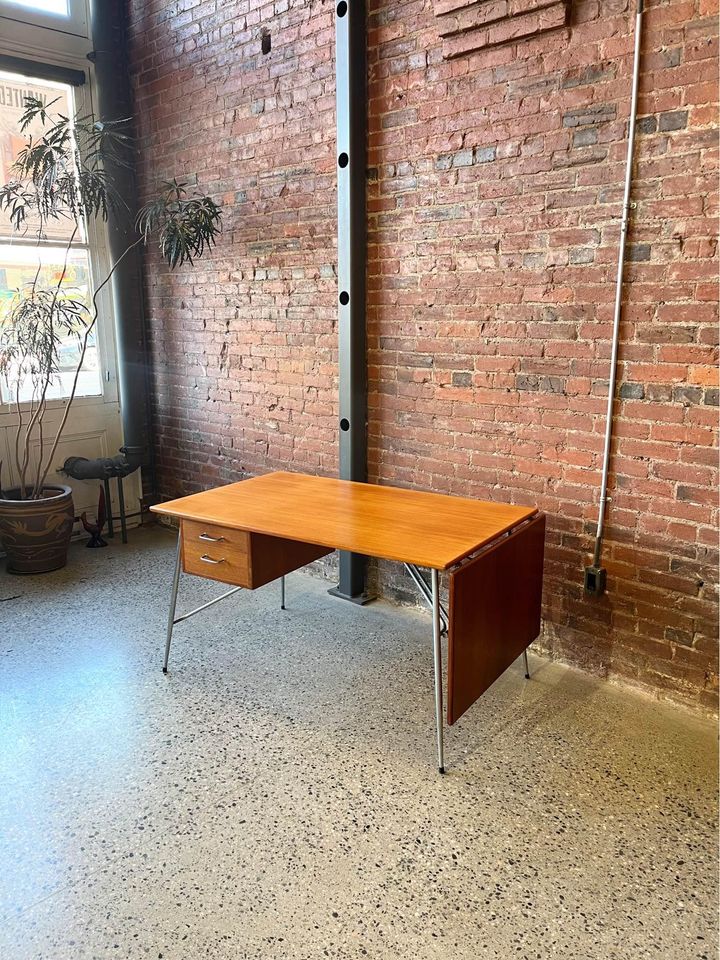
[36,533]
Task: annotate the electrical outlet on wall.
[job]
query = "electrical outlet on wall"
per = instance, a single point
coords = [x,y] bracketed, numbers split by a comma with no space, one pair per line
[595,580]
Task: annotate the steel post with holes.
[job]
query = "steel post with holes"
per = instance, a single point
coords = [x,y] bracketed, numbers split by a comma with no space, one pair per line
[351,106]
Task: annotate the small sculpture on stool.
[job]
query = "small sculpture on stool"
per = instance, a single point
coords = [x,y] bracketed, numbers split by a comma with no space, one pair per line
[95,529]
[103,468]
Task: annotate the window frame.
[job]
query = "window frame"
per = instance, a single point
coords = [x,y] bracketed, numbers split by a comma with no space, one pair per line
[75,23]
[96,242]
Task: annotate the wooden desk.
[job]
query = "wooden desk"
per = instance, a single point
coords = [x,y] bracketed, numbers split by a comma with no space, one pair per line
[250,533]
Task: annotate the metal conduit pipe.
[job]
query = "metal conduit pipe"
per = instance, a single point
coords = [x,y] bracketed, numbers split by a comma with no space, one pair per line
[595,575]
[101,468]
[114,99]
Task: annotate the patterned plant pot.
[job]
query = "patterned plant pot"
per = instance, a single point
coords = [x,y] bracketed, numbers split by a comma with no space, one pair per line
[36,533]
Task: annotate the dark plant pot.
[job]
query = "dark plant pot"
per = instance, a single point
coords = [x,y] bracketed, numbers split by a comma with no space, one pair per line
[36,533]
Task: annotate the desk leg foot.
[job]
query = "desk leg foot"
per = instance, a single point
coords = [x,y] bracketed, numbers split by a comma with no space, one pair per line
[437,664]
[525,662]
[282,593]
[173,604]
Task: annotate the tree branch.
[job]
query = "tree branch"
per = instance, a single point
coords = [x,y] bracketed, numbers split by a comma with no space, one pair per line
[48,377]
[88,331]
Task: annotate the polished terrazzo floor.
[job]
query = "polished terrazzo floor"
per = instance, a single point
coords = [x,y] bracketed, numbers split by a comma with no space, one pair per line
[276,797]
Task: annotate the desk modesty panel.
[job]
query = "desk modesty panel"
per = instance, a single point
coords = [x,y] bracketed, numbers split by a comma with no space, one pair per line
[426,529]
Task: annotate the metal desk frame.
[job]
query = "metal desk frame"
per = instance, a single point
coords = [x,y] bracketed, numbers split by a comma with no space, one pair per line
[430,593]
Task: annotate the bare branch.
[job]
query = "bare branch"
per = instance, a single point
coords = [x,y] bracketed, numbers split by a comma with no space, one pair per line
[88,331]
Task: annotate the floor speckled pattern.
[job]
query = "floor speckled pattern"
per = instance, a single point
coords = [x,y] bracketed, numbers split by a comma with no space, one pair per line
[275,796]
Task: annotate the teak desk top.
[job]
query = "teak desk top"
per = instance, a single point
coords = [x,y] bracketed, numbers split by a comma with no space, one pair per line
[426,529]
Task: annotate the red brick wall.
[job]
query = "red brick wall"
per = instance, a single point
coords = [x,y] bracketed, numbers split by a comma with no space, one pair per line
[244,346]
[495,184]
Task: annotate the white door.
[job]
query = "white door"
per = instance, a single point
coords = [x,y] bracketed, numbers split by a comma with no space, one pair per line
[93,427]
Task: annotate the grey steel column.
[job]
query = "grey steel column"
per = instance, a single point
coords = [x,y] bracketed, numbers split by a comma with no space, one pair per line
[351,97]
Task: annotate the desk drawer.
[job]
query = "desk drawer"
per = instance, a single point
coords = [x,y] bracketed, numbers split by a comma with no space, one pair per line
[218,553]
[241,558]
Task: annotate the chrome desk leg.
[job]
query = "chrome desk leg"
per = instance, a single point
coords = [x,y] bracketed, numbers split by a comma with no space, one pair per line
[527,668]
[282,593]
[173,604]
[437,657]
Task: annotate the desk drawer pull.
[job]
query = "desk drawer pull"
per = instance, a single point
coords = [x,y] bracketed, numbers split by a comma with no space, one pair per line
[206,559]
[209,539]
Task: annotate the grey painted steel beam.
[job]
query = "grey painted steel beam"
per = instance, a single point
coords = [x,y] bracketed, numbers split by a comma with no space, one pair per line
[351,158]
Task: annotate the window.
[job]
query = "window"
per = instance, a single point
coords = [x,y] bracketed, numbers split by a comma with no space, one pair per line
[24,257]
[68,16]
[56,7]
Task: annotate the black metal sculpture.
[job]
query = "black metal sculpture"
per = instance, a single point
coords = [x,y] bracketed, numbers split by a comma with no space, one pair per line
[104,468]
[95,529]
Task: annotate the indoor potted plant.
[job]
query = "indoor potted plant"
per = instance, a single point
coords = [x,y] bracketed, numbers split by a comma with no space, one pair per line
[60,174]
